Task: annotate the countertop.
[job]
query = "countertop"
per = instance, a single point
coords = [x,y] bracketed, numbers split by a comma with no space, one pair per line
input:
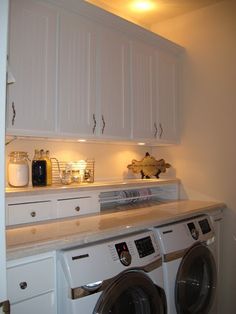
[55,235]
[100,185]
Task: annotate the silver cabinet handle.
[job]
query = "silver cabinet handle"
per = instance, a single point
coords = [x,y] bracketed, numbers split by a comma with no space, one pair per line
[161,130]
[103,124]
[155,126]
[23,285]
[77,208]
[94,123]
[33,214]
[13,113]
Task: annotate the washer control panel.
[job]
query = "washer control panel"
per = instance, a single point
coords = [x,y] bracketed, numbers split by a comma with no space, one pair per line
[138,249]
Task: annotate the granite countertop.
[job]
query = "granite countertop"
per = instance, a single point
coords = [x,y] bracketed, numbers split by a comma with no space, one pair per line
[54,235]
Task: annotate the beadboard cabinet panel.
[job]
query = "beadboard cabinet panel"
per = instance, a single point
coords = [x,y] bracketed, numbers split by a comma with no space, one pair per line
[32,98]
[77,75]
[167,88]
[143,78]
[114,84]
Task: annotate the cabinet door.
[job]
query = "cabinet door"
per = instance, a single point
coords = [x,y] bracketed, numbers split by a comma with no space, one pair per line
[77,65]
[32,56]
[42,304]
[166,117]
[143,96]
[114,84]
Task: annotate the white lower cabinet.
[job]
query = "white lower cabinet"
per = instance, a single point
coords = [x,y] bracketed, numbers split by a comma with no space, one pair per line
[29,212]
[32,284]
[77,206]
[35,209]
[38,305]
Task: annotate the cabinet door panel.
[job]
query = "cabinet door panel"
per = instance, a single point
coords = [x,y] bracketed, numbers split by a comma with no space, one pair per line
[42,304]
[167,96]
[77,62]
[114,88]
[143,101]
[33,28]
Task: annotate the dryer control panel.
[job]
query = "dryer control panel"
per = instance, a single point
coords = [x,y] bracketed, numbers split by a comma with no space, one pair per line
[185,233]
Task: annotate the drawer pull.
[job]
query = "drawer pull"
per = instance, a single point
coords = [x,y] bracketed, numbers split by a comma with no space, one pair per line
[23,285]
[77,208]
[33,214]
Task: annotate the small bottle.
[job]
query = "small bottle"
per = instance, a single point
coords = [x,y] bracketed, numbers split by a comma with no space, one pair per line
[49,168]
[39,169]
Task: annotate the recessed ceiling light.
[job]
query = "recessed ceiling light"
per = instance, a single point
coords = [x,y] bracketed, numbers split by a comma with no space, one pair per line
[142,5]
[141,144]
[81,140]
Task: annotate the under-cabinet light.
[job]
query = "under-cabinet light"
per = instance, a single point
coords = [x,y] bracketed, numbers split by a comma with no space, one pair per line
[141,144]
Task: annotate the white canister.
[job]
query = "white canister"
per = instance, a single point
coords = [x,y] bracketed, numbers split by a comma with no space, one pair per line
[18,169]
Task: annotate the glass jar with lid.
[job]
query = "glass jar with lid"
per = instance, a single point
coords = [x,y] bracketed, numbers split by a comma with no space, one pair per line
[18,169]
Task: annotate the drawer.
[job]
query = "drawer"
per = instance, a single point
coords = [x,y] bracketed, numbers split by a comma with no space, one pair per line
[77,206]
[29,212]
[29,280]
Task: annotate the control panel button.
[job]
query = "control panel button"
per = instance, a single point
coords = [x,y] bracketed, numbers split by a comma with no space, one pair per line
[193,230]
[125,258]
[123,253]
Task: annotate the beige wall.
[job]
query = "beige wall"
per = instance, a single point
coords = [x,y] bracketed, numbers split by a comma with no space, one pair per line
[206,159]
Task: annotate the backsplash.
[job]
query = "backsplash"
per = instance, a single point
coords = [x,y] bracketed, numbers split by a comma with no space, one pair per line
[111,160]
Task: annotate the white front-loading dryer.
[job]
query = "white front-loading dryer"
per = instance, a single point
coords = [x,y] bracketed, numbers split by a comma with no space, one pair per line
[120,276]
[189,265]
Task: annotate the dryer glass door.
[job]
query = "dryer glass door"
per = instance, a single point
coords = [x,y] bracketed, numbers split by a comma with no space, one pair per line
[196,281]
[132,292]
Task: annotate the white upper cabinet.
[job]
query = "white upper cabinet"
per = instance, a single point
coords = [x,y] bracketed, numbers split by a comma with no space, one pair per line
[167,94]
[77,76]
[88,74]
[93,80]
[144,100]
[154,94]
[114,84]
[32,50]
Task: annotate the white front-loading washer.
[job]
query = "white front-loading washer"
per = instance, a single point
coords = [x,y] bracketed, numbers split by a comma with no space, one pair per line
[120,276]
[189,265]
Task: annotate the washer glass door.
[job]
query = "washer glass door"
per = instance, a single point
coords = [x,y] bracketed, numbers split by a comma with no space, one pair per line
[196,281]
[132,292]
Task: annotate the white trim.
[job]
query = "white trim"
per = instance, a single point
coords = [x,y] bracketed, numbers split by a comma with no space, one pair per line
[3,68]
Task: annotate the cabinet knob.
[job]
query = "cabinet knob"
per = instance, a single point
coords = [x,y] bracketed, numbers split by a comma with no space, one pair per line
[23,285]
[77,208]
[33,214]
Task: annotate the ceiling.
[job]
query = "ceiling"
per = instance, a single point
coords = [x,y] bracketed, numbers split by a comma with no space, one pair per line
[149,12]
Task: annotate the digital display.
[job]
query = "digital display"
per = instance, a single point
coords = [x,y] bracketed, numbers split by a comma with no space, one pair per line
[204,225]
[144,246]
